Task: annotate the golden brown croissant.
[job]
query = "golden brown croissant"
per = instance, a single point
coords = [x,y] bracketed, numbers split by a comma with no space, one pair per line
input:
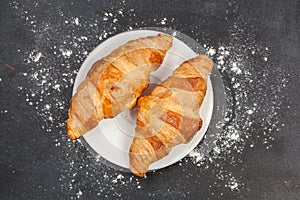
[169,115]
[115,82]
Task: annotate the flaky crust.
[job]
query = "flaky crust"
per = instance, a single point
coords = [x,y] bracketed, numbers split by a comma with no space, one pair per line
[169,115]
[115,82]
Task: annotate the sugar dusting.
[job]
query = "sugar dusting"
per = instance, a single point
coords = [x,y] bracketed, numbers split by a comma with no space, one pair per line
[49,83]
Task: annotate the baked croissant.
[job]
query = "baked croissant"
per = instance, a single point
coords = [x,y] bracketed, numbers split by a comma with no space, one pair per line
[169,115]
[115,82]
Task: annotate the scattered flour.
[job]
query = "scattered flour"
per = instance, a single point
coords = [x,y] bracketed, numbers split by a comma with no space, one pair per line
[163,21]
[66,53]
[34,56]
[242,89]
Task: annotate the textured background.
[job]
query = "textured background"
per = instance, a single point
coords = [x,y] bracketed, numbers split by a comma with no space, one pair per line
[42,44]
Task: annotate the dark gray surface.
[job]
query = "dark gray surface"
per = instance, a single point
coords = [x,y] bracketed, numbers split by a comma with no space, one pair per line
[31,166]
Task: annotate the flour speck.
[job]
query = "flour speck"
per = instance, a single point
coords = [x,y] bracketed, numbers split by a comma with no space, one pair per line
[66,52]
[35,56]
[163,21]
[76,21]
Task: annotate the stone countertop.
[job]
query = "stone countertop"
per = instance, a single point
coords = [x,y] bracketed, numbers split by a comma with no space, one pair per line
[255,46]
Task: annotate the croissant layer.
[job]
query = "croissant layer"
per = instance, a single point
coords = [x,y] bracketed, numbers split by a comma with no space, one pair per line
[169,115]
[114,83]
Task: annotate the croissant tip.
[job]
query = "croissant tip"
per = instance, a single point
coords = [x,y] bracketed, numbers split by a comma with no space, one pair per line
[165,35]
[139,174]
[134,171]
[70,133]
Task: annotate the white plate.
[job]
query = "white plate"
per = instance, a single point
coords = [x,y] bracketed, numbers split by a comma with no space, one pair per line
[112,138]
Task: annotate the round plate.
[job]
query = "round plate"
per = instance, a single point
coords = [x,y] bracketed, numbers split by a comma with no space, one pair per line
[112,138]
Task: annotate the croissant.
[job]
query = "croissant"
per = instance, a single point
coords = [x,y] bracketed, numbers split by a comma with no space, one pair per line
[169,115]
[114,83]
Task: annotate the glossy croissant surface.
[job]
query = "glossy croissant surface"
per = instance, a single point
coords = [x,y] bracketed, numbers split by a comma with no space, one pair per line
[114,83]
[169,115]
